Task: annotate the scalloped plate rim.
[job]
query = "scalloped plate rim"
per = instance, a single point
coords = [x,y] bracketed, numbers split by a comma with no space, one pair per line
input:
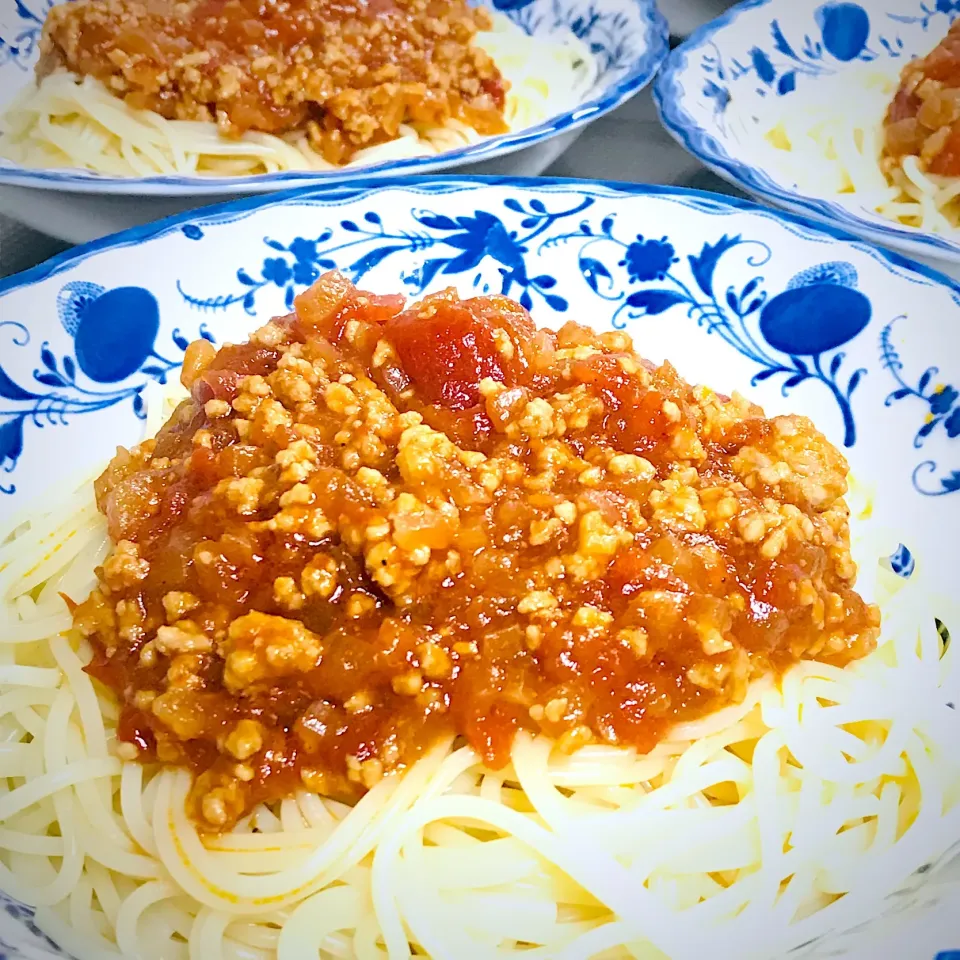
[697,140]
[355,189]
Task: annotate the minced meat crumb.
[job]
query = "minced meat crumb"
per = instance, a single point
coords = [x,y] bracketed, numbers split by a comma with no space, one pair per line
[434,520]
[346,72]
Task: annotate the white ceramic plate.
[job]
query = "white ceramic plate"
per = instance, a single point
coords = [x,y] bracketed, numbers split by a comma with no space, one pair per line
[722,288]
[723,89]
[628,39]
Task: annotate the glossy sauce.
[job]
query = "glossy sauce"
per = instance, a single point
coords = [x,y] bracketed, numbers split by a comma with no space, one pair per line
[372,527]
[924,117]
[346,72]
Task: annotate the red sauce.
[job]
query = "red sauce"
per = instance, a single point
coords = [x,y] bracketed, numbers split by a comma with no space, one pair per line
[346,72]
[371,527]
[924,118]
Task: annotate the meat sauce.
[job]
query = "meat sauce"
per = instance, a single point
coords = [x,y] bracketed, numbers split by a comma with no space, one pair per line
[376,525]
[924,118]
[347,73]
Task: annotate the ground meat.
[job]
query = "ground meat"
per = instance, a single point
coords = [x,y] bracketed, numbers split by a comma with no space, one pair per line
[924,117]
[348,72]
[363,542]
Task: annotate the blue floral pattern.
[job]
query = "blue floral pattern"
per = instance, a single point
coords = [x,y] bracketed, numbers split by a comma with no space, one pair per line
[784,335]
[942,411]
[711,91]
[20,46]
[470,240]
[843,34]
[24,917]
[804,342]
[113,337]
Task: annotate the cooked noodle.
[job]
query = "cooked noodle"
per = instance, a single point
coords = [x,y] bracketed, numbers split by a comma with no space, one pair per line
[833,148]
[68,121]
[742,834]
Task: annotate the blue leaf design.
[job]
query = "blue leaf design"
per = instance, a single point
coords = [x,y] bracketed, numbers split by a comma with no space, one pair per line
[835,364]
[951,484]
[928,428]
[525,300]
[780,41]
[593,269]
[538,206]
[288,297]
[367,262]
[349,226]
[764,375]
[11,444]
[248,302]
[511,204]
[47,358]
[749,288]
[12,391]
[246,279]
[556,303]
[180,340]
[529,222]
[70,368]
[48,379]
[327,264]
[275,244]
[793,381]
[372,217]
[787,83]
[755,305]
[763,66]
[703,265]
[654,301]
[732,301]
[544,282]
[855,380]
[925,379]
[437,221]
[607,225]
[138,407]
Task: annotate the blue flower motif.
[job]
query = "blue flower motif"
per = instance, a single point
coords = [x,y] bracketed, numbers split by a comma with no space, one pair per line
[648,259]
[277,270]
[952,424]
[942,400]
[304,250]
[482,235]
[305,272]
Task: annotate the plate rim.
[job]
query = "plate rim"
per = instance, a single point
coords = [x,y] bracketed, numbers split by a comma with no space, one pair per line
[697,140]
[325,194]
[643,69]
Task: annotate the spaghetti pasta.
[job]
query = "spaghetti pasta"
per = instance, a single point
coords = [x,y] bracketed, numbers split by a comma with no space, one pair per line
[834,148]
[71,121]
[745,833]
